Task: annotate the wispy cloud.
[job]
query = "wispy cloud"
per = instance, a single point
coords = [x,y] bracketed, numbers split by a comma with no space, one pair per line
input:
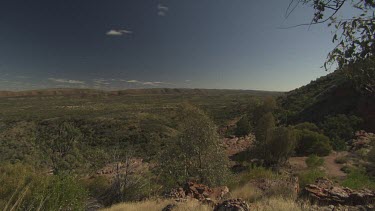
[162,10]
[101,82]
[134,81]
[67,81]
[149,83]
[120,32]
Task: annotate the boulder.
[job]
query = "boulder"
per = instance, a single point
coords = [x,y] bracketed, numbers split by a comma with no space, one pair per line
[232,205]
[324,192]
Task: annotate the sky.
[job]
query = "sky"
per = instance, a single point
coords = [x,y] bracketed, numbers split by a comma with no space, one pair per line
[121,44]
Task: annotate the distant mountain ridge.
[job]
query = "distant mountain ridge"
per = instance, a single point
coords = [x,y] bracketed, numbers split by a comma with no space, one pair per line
[94,92]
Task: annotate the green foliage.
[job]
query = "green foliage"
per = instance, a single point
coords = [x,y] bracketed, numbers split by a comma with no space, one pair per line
[310,176]
[362,74]
[340,129]
[60,141]
[195,153]
[307,126]
[256,172]
[243,126]
[97,185]
[341,160]
[354,36]
[309,142]
[25,189]
[18,144]
[314,161]
[269,105]
[358,179]
[61,192]
[265,124]
[279,146]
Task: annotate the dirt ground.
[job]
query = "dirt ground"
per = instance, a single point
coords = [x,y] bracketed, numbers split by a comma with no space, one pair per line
[330,166]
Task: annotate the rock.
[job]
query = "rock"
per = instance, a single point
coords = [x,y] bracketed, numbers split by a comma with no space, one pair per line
[324,192]
[362,140]
[192,190]
[232,205]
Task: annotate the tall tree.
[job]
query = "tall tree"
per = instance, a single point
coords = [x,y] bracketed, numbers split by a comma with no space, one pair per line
[196,152]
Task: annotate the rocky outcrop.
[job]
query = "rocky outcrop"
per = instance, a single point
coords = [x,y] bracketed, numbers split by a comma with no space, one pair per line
[232,205]
[234,145]
[324,192]
[362,140]
[203,193]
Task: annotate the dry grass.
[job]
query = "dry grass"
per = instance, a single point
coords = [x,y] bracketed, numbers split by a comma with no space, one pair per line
[157,205]
[247,192]
[278,204]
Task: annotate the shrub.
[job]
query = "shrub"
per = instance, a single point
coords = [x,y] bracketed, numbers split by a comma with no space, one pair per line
[310,176]
[265,124]
[307,126]
[314,161]
[341,159]
[195,153]
[23,188]
[358,179]
[340,128]
[309,142]
[243,126]
[255,173]
[278,146]
[97,185]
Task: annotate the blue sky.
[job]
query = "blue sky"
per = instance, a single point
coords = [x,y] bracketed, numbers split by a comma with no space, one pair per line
[120,44]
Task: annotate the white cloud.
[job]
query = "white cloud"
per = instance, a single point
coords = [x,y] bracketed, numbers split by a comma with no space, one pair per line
[162,10]
[121,32]
[133,81]
[149,83]
[162,7]
[68,81]
[101,82]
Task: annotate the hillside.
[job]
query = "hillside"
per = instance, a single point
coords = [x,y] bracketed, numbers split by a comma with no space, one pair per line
[327,96]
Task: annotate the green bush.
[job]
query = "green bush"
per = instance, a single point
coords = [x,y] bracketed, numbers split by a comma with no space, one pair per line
[341,159]
[23,188]
[256,173]
[309,142]
[358,179]
[314,161]
[195,153]
[243,126]
[340,129]
[97,185]
[278,146]
[310,176]
[307,126]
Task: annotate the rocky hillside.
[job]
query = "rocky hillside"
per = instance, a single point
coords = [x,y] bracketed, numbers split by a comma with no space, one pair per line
[329,95]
